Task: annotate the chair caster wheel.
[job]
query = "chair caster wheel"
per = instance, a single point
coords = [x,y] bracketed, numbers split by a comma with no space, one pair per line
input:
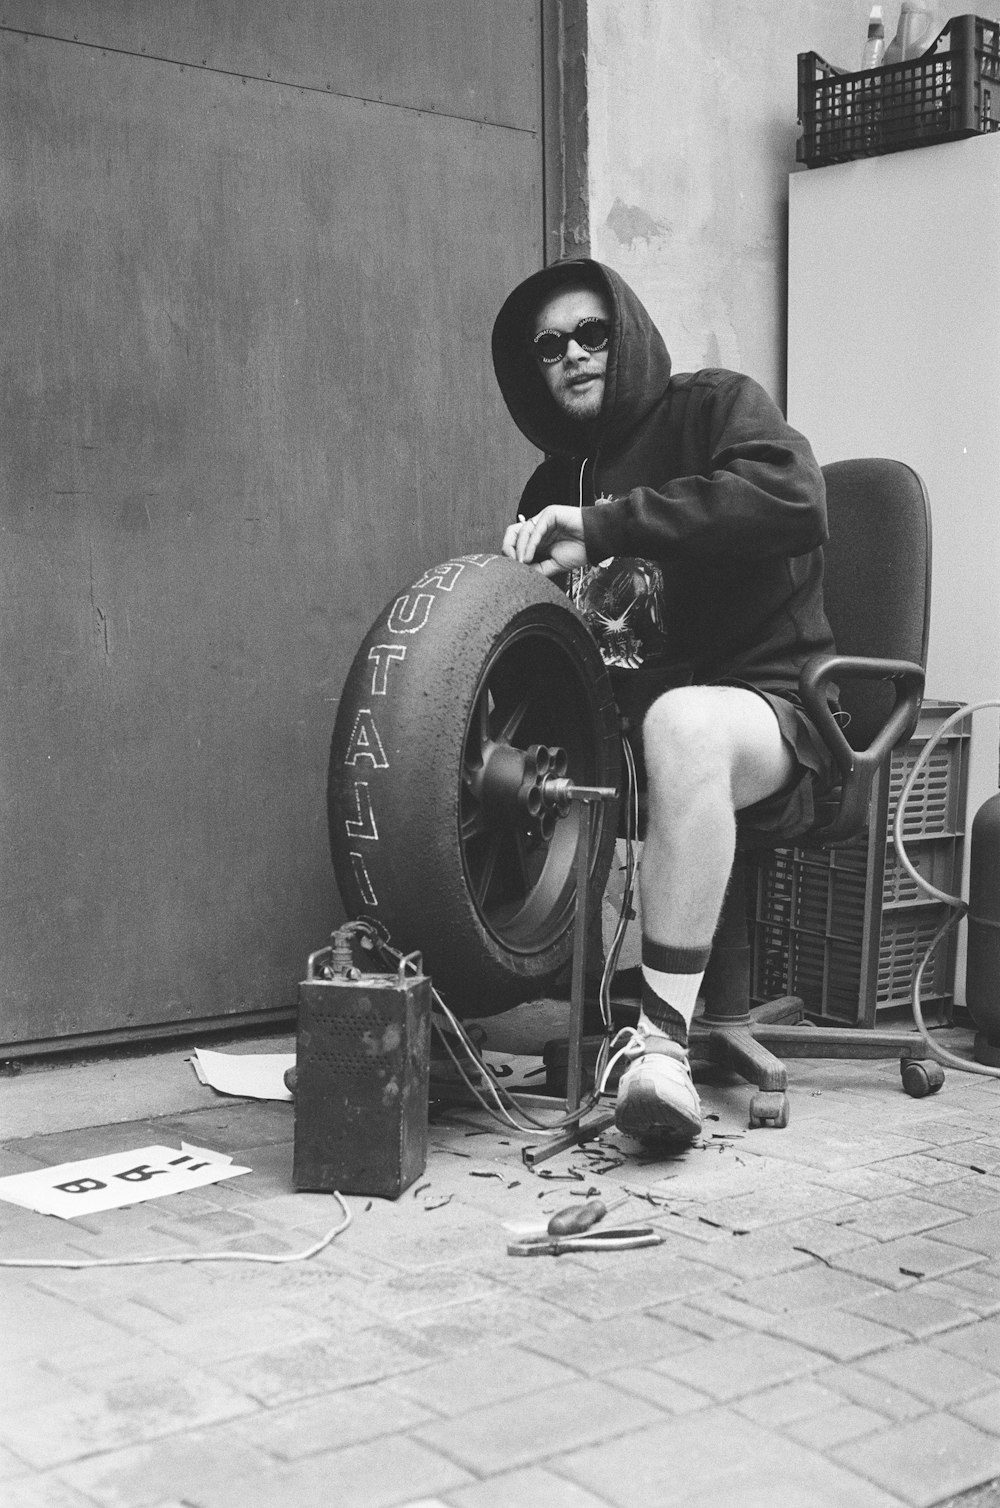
[769,1109]
[921,1076]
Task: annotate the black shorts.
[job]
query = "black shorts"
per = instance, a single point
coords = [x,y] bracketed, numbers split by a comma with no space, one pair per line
[789,812]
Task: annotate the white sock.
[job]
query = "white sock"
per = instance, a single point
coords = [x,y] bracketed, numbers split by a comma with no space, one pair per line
[679,991]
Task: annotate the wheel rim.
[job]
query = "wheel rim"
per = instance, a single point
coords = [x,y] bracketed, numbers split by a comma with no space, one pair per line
[519,865]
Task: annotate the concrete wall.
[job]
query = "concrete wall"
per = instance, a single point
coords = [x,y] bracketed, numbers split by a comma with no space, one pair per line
[692,137]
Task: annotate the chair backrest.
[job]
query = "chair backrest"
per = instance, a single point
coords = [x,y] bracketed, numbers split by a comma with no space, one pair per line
[877,576]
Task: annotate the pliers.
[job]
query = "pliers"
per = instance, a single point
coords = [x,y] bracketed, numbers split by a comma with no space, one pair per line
[624,1238]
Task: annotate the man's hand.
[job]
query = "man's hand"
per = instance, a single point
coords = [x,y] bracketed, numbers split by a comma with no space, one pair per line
[552,541]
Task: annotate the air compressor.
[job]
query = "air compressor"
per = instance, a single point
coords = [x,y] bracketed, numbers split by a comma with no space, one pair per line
[982,974]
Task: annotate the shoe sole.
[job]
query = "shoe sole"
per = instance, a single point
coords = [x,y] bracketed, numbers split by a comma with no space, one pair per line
[644,1113]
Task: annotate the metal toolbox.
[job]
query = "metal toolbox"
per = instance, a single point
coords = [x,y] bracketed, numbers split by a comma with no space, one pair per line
[362,1072]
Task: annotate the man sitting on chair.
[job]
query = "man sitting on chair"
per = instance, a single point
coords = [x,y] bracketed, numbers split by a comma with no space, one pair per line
[690,518]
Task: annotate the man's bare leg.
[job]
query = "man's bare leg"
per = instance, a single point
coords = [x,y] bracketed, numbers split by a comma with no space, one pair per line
[709,751]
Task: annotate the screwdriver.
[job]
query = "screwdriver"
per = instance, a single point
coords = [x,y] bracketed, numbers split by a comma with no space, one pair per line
[580,1217]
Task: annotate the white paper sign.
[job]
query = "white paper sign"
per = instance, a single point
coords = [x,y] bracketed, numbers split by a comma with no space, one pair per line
[109,1183]
[254,1075]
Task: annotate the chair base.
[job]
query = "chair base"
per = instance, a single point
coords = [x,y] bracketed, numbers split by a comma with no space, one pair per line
[749,1046]
[752,1040]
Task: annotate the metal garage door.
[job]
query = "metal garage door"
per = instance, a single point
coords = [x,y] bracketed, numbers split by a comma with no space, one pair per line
[250,261]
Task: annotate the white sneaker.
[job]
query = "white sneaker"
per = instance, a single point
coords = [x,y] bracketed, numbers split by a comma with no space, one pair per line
[656,1095]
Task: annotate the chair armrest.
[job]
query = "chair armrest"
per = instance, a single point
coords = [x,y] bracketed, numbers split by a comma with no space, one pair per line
[858,766]
[822,671]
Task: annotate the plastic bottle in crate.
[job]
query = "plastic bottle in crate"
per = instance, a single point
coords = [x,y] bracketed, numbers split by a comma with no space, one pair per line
[874,47]
[868,101]
[916,31]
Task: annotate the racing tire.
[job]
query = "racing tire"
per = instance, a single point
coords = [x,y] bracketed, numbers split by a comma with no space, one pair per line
[471,687]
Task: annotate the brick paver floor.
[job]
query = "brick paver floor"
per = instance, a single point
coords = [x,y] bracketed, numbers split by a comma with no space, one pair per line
[821,1325]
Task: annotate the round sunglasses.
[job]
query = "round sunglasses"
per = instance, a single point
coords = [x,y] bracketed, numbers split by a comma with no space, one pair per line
[592,333]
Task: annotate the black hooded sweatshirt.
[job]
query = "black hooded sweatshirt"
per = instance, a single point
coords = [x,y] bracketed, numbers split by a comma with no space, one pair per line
[718,504]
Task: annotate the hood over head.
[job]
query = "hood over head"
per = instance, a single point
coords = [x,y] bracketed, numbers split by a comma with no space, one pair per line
[637,374]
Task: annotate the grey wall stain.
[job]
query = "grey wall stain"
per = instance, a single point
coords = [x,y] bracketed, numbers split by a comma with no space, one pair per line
[631,223]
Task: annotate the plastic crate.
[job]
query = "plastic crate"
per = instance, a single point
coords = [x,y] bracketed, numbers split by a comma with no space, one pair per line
[845,929]
[951,91]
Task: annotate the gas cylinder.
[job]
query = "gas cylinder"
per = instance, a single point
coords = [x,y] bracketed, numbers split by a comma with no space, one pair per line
[982,977]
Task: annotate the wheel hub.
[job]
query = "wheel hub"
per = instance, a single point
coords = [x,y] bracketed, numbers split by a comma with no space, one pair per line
[516,783]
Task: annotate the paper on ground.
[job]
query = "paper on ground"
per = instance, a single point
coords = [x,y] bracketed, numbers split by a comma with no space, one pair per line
[115,1180]
[254,1075]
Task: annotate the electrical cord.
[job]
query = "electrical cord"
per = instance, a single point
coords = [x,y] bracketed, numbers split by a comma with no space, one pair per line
[959,906]
[189,1256]
[505,1101]
[625,912]
[625,915]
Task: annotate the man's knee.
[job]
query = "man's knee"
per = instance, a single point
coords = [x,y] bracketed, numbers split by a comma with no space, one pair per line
[684,740]
[720,739]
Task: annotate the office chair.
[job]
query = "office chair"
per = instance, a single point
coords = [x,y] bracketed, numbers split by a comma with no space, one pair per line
[877,596]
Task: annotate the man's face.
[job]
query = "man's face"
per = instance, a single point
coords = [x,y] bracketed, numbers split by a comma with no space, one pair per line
[576,380]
